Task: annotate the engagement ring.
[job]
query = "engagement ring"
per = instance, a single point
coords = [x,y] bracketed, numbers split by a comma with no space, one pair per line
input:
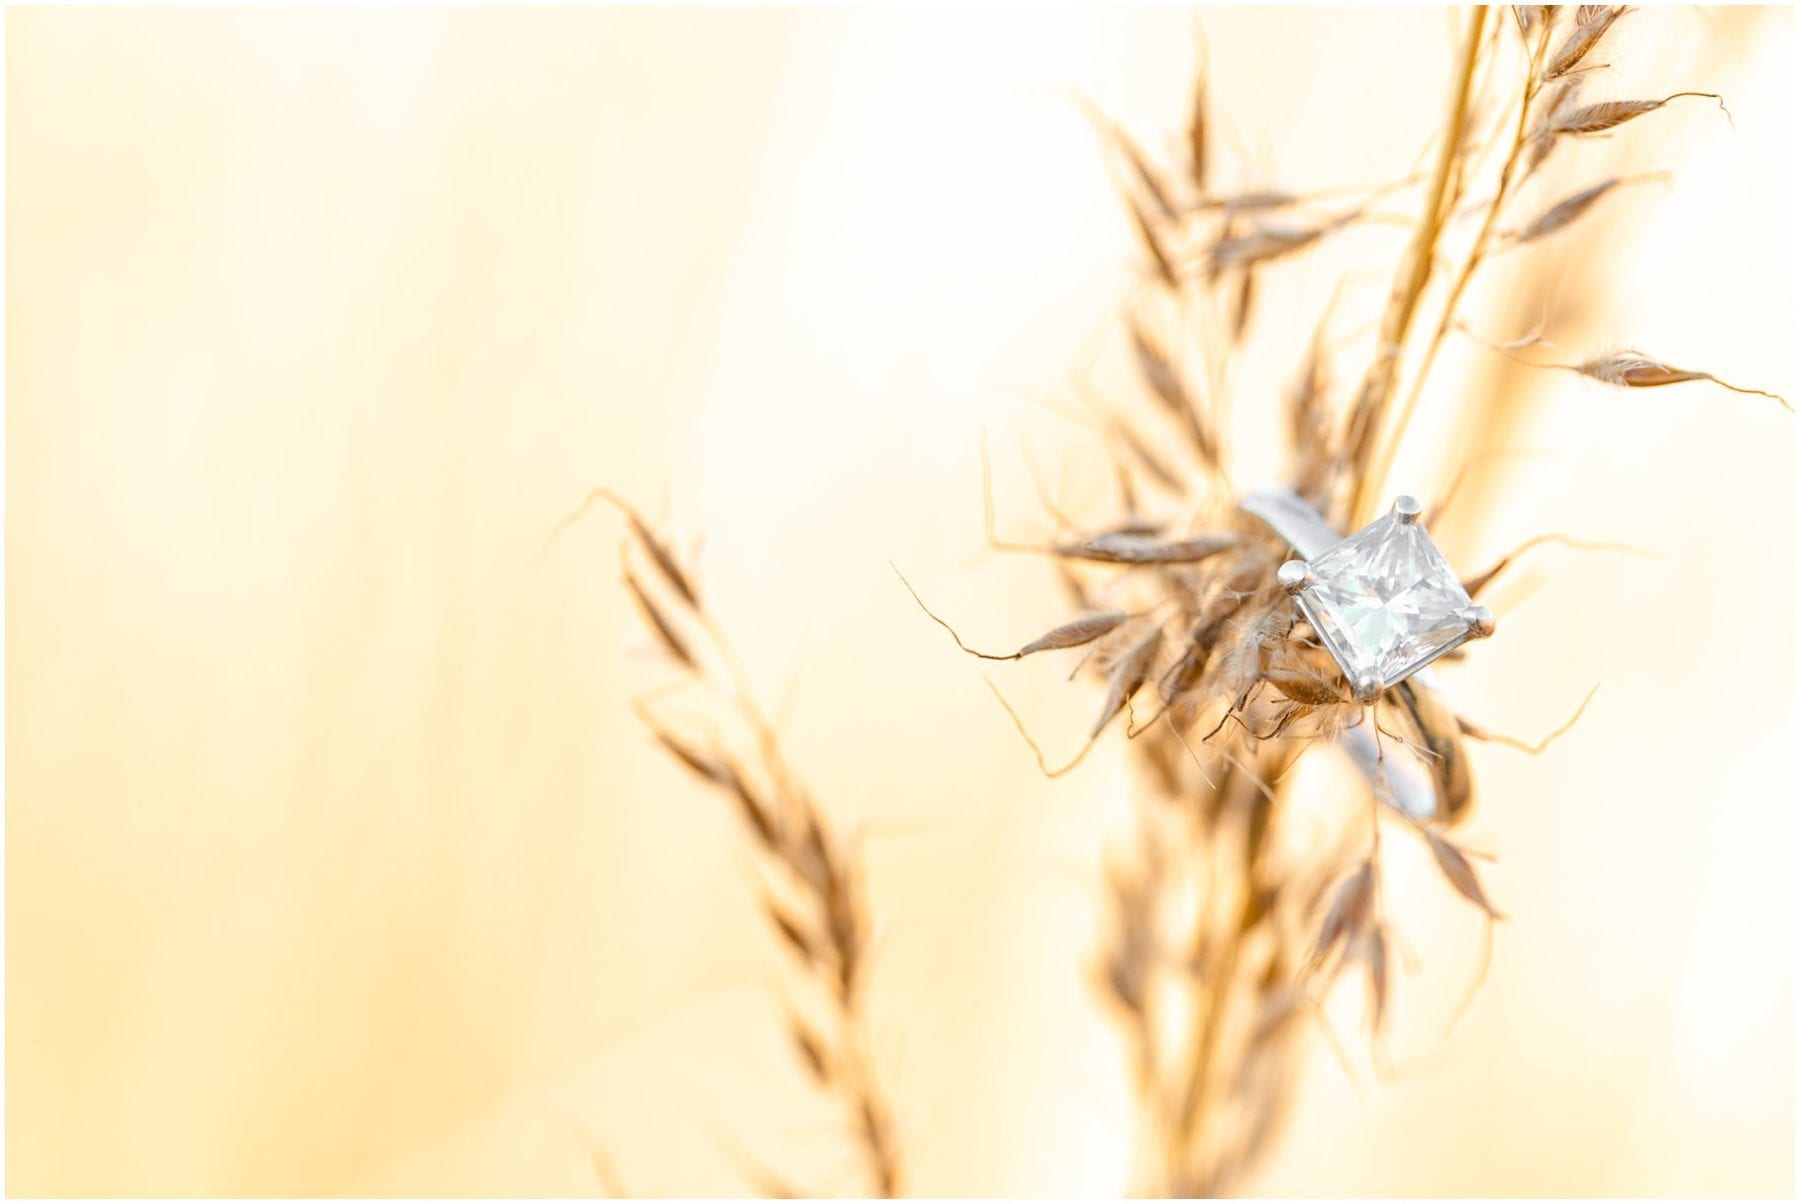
[1385,604]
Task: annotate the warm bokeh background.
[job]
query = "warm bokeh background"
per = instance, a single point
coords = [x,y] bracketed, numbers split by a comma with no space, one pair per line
[335,861]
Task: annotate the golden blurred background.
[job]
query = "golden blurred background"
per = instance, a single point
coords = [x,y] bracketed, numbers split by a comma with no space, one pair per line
[336,862]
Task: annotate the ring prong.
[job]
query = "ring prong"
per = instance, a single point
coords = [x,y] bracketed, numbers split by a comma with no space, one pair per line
[1480,620]
[1366,687]
[1294,576]
[1407,508]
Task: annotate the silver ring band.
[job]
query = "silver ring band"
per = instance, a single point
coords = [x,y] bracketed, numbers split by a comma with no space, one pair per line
[1288,515]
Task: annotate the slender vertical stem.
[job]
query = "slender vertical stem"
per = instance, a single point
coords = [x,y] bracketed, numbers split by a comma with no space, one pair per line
[1378,389]
[1478,251]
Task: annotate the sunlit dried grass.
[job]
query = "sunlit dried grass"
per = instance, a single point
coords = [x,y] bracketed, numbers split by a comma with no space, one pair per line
[810,884]
[1225,932]
[1225,938]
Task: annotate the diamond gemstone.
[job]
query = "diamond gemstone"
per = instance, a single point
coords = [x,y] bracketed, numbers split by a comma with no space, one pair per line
[1385,601]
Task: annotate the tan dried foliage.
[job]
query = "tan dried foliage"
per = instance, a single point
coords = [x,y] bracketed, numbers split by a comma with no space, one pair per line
[1566,211]
[1225,931]
[1635,370]
[811,887]
[1610,114]
[1591,23]
[1244,688]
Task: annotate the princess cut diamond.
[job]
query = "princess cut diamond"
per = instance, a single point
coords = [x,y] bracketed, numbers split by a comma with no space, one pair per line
[1385,602]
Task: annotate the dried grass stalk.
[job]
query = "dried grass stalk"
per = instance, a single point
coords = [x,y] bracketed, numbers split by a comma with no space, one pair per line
[1223,933]
[811,885]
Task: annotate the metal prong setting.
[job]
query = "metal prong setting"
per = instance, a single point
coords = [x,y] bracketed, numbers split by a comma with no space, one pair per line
[1294,576]
[1480,620]
[1367,688]
[1407,508]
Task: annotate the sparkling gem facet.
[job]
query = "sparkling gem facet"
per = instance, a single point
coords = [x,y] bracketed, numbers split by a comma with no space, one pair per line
[1385,601]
